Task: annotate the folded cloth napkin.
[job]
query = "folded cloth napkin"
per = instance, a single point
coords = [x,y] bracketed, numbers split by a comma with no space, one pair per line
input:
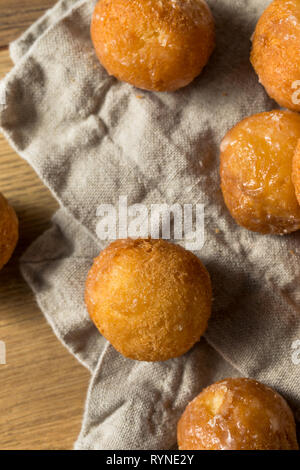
[92,139]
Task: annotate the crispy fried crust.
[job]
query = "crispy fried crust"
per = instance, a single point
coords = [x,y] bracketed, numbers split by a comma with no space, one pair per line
[256,172]
[154,45]
[151,299]
[9,234]
[275,53]
[237,414]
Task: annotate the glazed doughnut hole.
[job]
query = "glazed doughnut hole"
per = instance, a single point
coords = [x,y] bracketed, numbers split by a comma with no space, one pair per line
[256,172]
[9,231]
[153,44]
[237,414]
[275,53]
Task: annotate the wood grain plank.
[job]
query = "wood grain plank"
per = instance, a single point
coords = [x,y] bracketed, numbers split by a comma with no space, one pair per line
[18,15]
[42,387]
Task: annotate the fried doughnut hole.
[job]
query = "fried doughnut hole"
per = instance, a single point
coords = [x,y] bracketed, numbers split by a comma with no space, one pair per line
[154,45]
[237,414]
[150,298]
[9,231]
[275,53]
[256,172]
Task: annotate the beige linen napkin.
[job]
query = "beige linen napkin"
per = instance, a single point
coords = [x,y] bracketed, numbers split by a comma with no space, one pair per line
[92,139]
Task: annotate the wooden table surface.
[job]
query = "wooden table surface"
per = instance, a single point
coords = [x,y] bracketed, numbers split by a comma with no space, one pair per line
[42,387]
